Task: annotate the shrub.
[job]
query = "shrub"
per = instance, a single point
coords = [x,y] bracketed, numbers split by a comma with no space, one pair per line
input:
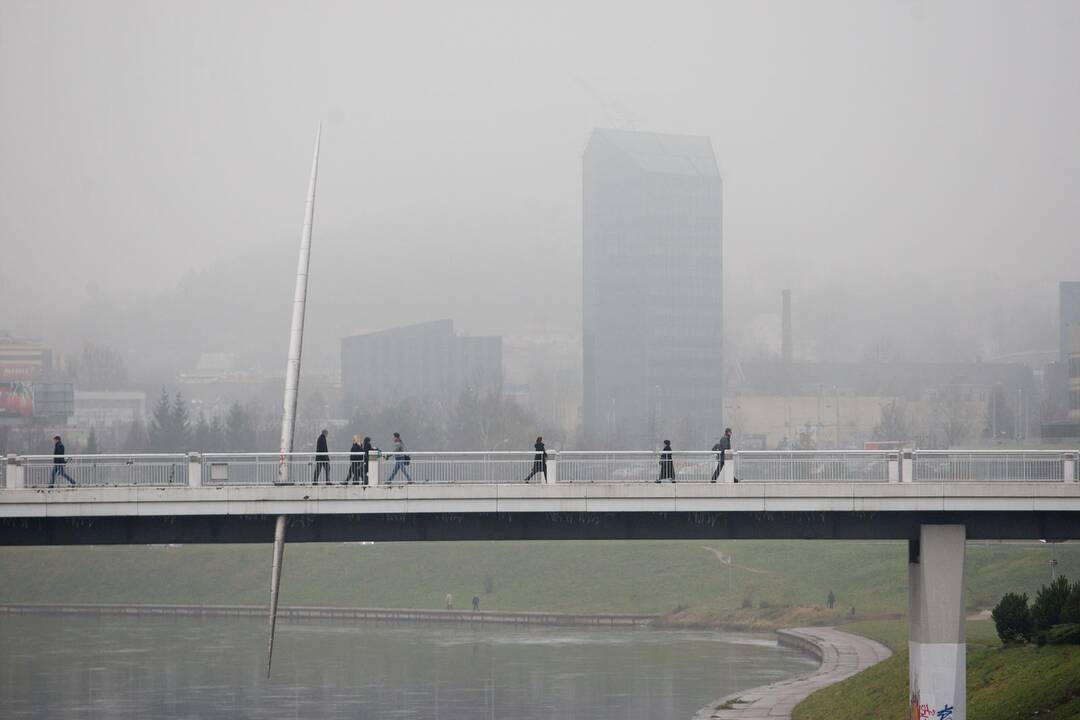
[1066,634]
[1046,610]
[1070,611]
[747,603]
[1013,619]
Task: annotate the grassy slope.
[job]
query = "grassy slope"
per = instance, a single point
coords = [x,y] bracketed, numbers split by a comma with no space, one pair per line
[599,576]
[1003,683]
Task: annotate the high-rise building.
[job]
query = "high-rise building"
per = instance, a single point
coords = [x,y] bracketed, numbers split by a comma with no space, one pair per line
[1068,313]
[424,362]
[652,304]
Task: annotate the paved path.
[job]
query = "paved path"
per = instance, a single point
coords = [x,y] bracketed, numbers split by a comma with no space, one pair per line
[842,655]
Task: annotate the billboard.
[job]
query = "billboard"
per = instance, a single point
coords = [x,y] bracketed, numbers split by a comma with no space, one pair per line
[16,400]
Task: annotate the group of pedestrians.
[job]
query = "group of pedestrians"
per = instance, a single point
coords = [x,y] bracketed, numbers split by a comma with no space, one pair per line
[667,459]
[360,460]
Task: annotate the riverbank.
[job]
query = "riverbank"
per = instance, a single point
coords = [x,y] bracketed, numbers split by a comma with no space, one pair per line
[841,654]
[1003,683]
[336,613]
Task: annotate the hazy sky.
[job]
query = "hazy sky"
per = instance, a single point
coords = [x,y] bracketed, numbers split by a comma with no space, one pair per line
[892,162]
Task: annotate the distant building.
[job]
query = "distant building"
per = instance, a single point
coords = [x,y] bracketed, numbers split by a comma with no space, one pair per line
[652,282]
[1068,313]
[1069,428]
[27,386]
[424,362]
[107,409]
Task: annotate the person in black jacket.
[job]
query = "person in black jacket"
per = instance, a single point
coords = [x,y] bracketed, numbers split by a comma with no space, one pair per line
[59,461]
[322,458]
[539,460]
[354,461]
[722,446]
[667,464]
[367,447]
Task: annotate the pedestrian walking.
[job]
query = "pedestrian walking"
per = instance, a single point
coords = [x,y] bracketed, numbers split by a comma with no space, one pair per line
[476,603]
[355,453]
[401,460]
[449,601]
[830,601]
[667,464]
[59,461]
[322,458]
[368,448]
[723,446]
[539,460]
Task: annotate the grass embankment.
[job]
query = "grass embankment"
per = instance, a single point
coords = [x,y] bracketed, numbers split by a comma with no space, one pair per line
[706,581]
[1002,683]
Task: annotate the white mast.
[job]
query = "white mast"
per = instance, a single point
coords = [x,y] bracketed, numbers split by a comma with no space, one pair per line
[292,385]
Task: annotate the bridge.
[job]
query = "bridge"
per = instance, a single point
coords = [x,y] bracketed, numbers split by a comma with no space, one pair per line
[936,500]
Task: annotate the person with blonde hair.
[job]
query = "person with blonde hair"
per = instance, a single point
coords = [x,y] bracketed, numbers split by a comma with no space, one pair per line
[356,458]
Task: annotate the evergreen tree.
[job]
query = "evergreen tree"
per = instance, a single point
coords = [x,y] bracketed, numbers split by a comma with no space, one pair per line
[161,424]
[200,436]
[181,423]
[136,441]
[91,443]
[216,439]
[239,430]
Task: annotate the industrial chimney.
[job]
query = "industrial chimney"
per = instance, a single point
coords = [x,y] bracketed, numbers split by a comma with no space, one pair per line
[785,340]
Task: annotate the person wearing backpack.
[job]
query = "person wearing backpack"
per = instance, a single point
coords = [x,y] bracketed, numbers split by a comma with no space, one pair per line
[401,460]
[722,447]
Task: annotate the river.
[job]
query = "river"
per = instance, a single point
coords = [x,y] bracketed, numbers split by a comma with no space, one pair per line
[90,666]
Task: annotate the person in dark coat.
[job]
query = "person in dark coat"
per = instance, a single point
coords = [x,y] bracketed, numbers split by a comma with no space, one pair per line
[723,446]
[354,461]
[59,461]
[667,464]
[322,458]
[539,460]
[367,447]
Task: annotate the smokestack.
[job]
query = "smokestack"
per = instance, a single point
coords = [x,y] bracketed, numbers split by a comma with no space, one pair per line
[785,340]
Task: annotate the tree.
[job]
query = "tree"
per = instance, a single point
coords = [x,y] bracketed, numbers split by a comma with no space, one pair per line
[1049,602]
[239,430]
[1012,619]
[1000,419]
[92,443]
[893,424]
[99,368]
[216,436]
[161,424]
[181,423]
[136,440]
[1070,610]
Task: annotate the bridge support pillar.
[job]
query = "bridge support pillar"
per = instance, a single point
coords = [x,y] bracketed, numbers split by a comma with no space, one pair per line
[907,465]
[936,638]
[14,473]
[551,471]
[894,467]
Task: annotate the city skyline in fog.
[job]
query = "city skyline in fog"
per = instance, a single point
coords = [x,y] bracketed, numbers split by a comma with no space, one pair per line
[907,169]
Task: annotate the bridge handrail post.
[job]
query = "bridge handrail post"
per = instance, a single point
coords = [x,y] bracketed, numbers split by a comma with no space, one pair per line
[728,475]
[194,470]
[550,477]
[894,466]
[907,465]
[15,477]
[1068,467]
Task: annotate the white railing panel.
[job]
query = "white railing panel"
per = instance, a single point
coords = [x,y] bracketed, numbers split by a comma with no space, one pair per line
[812,466]
[162,470]
[988,466]
[635,466]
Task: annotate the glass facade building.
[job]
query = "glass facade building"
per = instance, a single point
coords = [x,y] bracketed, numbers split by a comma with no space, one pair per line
[652,290]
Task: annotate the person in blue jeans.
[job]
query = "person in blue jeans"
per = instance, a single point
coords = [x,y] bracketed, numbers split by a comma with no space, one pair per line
[401,460]
[59,461]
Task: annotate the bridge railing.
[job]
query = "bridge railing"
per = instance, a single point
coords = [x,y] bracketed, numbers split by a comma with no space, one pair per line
[812,466]
[157,470]
[383,468]
[992,465]
[634,466]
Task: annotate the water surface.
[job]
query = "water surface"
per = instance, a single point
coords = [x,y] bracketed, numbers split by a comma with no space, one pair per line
[144,668]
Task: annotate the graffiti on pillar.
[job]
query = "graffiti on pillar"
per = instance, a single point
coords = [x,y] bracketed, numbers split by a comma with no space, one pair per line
[923,711]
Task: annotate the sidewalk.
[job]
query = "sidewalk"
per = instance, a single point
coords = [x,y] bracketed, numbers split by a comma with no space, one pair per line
[842,655]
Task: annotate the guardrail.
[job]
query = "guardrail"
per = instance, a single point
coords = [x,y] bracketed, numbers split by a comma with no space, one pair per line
[993,466]
[518,467]
[162,470]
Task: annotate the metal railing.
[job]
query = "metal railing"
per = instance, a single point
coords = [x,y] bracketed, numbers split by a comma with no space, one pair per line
[812,466]
[609,467]
[636,466]
[988,466]
[105,470]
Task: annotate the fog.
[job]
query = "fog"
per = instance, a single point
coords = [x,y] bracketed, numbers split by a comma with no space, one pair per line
[909,169]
